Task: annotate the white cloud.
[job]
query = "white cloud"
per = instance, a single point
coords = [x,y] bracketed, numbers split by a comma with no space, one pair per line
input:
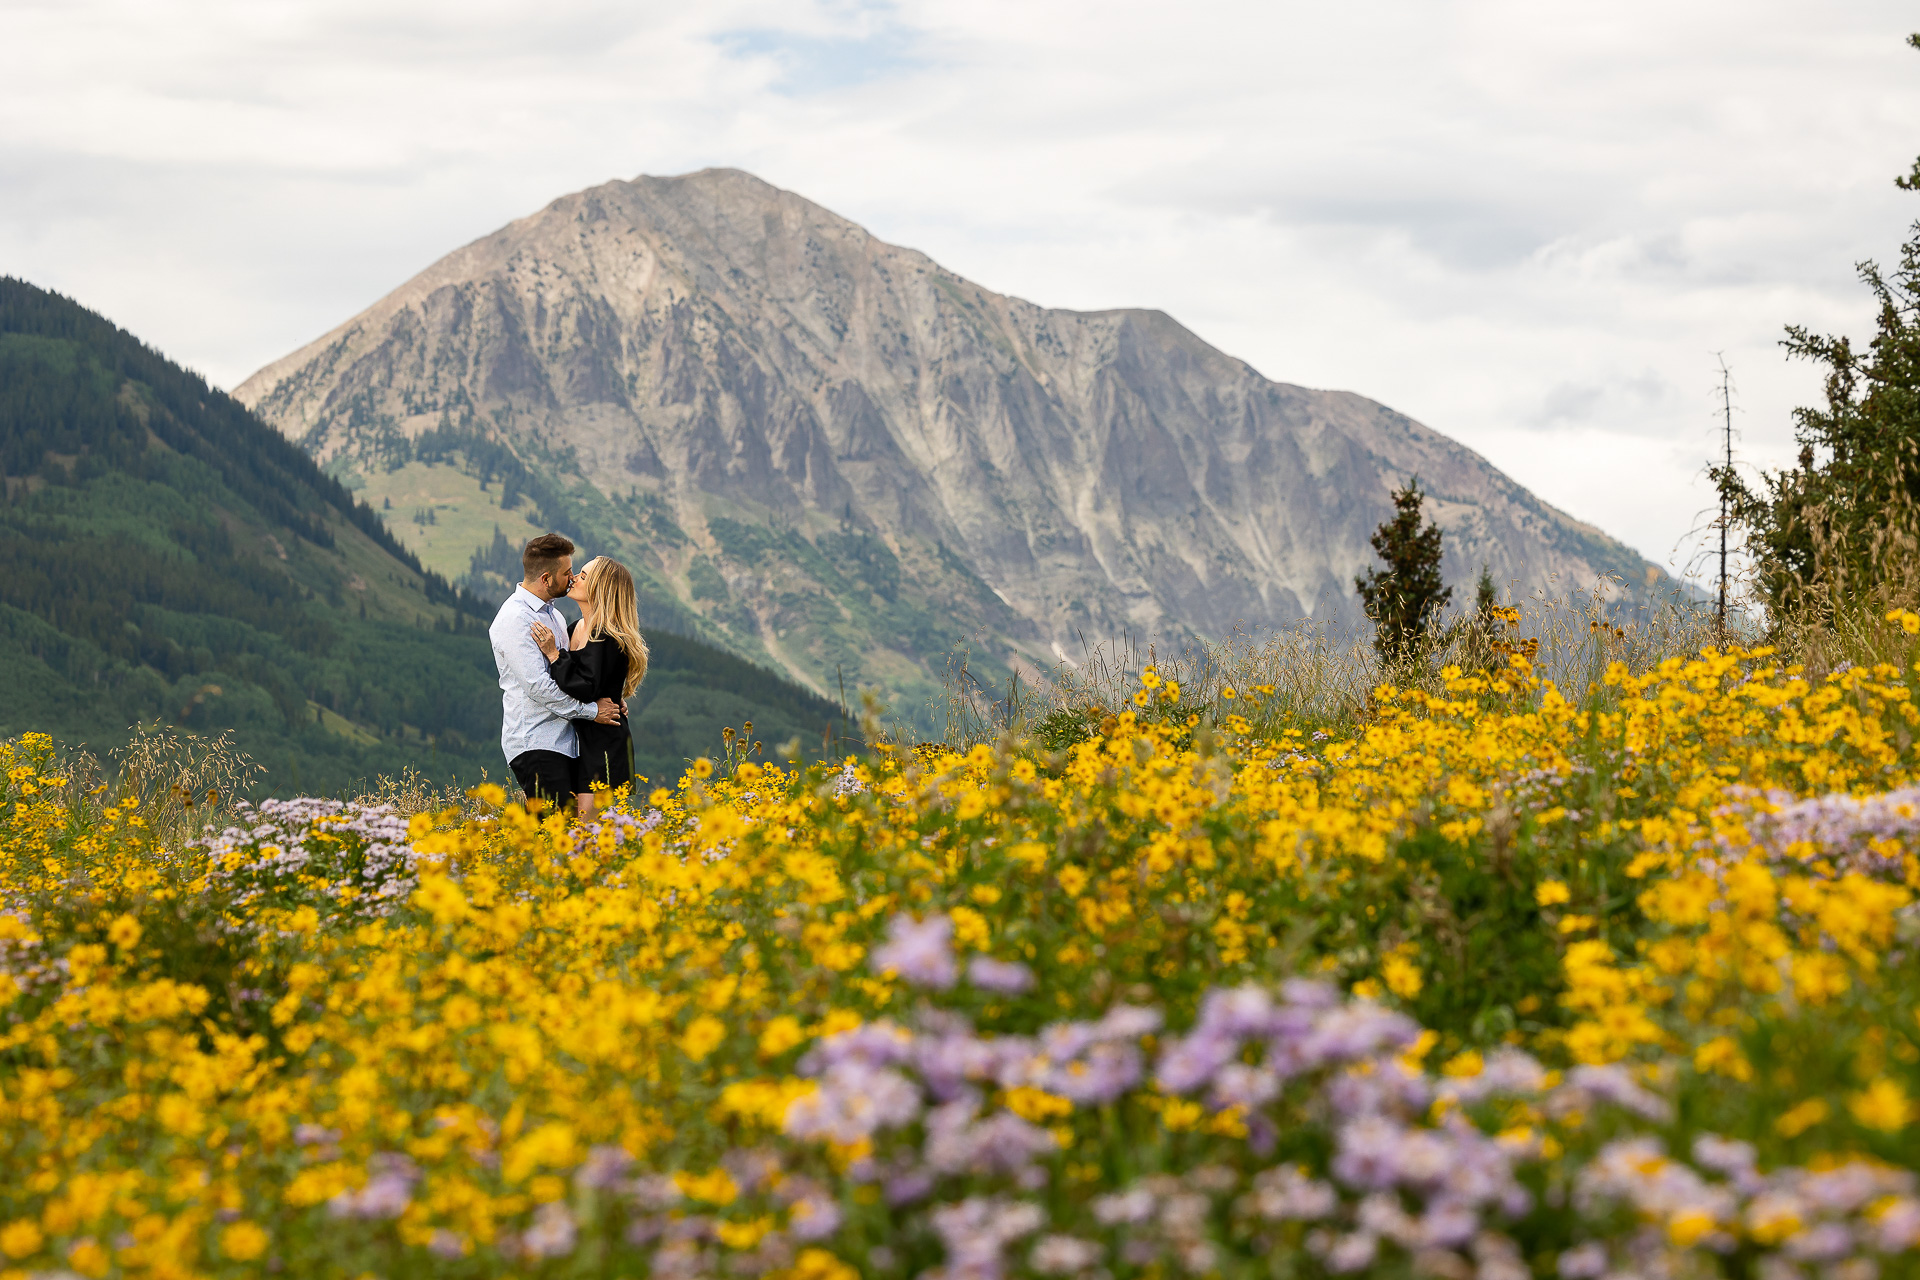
[1529,226]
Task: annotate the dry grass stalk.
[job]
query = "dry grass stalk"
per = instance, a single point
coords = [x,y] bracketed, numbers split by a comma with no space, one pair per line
[1320,675]
[413,792]
[184,781]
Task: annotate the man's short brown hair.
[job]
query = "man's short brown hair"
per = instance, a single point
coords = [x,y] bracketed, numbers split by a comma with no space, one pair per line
[544,553]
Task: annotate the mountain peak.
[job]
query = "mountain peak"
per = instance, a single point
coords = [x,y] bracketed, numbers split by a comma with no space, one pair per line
[837,457]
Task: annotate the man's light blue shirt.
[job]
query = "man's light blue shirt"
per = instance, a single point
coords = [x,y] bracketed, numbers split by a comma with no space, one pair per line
[535,715]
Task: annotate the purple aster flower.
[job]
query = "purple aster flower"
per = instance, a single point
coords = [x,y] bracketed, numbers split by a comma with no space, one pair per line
[1107,1071]
[603,1168]
[1386,1087]
[1507,1071]
[1309,993]
[653,1192]
[1586,1086]
[1289,1056]
[1512,1070]
[1354,1252]
[1499,1258]
[1479,1171]
[388,1191]
[813,1217]
[1133,1205]
[1190,1062]
[1380,1214]
[1239,1085]
[1447,1224]
[908,1187]
[1423,1158]
[882,1043]
[552,1234]
[1127,1022]
[948,1060]
[1063,1255]
[1846,1187]
[1262,1134]
[1285,1194]
[919,952]
[1359,1031]
[854,1102]
[977,1231]
[1241,1011]
[1003,977]
[1584,1262]
[1290,1022]
[1061,1041]
[1898,1226]
[682,1259]
[1001,1143]
[1197,1255]
[1726,1156]
[1822,1242]
[755,1168]
[1367,1153]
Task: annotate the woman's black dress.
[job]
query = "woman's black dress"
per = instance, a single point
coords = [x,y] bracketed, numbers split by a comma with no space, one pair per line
[597,669]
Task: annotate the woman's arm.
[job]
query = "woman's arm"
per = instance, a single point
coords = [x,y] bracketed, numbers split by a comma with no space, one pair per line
[606,665]
[573,672]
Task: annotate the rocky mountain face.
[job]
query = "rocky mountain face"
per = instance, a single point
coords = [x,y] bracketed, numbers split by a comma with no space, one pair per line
[830,454]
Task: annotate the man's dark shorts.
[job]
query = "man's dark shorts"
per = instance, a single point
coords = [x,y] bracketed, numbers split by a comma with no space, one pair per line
[547,775]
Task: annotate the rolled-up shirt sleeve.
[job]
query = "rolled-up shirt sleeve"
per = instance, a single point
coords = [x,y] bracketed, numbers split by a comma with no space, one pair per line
[529,666]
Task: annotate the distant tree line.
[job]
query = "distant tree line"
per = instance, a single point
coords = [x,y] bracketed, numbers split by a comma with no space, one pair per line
[96,400]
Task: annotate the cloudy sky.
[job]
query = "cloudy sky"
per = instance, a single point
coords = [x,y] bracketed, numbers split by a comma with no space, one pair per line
[1532,226]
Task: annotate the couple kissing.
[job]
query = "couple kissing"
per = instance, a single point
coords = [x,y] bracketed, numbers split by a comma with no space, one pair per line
[563,696]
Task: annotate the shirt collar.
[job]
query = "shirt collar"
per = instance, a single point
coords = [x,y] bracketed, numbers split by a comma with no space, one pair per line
[533,601]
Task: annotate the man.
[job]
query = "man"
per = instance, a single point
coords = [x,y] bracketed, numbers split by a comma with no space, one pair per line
[536,725]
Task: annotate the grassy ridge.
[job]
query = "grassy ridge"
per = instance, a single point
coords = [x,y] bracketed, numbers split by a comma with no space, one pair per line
[173,559]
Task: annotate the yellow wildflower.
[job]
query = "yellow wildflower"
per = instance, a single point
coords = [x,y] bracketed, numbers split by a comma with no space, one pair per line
[1801,1117]
[20,1238]
[703,1036]
[1882,1105]
[244,1241]
[124,932]
[1402,976]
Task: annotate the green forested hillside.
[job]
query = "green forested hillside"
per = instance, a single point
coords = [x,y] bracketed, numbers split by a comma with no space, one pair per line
[166,556]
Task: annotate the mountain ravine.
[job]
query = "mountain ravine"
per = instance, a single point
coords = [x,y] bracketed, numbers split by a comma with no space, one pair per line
[832,455]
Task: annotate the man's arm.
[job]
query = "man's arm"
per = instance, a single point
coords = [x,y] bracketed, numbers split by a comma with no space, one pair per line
[528,666]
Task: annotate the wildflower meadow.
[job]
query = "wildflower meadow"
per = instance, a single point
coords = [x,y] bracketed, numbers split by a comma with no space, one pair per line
[1496,979]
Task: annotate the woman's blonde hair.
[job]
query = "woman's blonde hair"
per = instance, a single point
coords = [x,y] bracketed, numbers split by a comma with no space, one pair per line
[615,615]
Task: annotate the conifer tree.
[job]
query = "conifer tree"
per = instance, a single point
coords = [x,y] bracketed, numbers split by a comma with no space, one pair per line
[1845,524]
[1404,599]
[1477,632]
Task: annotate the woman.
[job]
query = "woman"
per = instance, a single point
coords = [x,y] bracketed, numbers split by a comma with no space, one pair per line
[608,659]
